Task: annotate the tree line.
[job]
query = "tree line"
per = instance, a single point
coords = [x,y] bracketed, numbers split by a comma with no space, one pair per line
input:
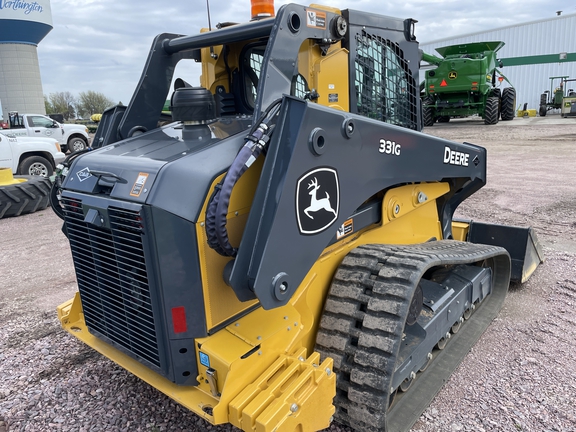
[71,107]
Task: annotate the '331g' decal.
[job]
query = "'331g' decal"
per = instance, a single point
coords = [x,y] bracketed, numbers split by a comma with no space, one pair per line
[389,147]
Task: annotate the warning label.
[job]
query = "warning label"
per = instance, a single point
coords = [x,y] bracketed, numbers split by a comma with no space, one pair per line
[346,228]
[315,19]
[139,184]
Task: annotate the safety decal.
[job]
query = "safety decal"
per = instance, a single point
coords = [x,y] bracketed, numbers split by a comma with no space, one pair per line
[315,19]
[139,184]
[317,200]
[204,359]
[332,97]
[345,229]
[83,174]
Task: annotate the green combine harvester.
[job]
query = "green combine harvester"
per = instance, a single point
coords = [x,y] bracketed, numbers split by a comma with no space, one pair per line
[464,83]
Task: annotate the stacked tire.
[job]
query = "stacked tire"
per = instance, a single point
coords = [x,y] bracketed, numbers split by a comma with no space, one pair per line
[22,194]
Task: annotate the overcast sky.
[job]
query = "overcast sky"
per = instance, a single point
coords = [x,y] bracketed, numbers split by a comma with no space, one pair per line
[102,45]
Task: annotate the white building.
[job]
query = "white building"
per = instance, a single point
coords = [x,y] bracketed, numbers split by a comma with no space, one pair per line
[552,36]
[22,26]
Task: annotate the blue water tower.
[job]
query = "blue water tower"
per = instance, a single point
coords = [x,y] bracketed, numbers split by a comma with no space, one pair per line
[23,24]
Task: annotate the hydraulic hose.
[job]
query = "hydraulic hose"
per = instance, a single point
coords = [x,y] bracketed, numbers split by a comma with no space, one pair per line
[256,142]
[60,174]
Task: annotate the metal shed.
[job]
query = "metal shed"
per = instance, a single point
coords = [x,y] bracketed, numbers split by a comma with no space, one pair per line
[546,37]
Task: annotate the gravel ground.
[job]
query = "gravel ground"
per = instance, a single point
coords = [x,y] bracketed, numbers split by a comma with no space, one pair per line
[520,376]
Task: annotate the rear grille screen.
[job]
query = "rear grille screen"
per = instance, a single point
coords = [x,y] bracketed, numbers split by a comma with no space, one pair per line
[112,279]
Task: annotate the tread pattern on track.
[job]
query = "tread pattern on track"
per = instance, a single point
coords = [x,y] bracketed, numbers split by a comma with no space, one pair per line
[364,318]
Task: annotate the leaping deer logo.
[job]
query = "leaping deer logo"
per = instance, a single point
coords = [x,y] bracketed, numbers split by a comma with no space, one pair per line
[315,203]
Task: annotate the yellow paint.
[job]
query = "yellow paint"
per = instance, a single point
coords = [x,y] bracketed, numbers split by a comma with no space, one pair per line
[288,396]
[325,8]
[460,231]
[220,301]
[257,391]
[327,74]
[527,113]
[6,177]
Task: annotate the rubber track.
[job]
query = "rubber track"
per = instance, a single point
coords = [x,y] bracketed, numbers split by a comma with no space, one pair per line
[364,318]
[23,198]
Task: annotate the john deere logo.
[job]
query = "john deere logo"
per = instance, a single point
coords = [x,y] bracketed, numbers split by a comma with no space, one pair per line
[453,75]
[317,200]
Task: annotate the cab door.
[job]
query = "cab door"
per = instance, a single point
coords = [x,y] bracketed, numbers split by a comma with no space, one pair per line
[43,126]
[5,152]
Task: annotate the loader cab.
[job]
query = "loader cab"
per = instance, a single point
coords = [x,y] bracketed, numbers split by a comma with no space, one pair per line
[320,54]
[375,83]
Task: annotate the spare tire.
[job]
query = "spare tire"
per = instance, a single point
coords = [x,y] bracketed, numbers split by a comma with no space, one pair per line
[23,194]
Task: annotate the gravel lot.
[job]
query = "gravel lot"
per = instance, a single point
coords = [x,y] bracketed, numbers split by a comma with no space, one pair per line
[521,376]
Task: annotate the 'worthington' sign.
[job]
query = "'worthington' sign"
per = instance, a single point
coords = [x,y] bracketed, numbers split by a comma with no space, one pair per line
[38,10]
[20,5]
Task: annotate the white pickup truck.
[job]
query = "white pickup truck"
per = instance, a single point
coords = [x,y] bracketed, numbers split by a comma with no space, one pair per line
[70,136]
[29,156]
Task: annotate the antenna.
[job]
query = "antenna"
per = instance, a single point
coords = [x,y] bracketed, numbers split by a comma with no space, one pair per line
[212,53]
[208,9]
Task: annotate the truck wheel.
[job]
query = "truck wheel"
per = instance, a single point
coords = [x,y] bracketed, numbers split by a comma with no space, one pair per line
[491,111]
[36,166]
[76,144]
[508,104]
[26,194]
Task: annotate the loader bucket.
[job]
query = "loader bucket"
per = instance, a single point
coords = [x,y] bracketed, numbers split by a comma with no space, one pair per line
[521,243]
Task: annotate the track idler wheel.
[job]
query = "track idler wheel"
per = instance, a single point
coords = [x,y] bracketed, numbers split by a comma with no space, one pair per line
[468,312]
[407,383]
[456,327]
[425,365]
[442,342]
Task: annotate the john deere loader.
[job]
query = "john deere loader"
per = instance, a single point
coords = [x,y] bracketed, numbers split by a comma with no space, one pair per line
[281,252]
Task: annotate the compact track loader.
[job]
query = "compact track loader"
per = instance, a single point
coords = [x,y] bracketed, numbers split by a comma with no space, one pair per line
[281,252]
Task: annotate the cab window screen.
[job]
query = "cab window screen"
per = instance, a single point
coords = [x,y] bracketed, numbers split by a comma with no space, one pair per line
[384,88]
